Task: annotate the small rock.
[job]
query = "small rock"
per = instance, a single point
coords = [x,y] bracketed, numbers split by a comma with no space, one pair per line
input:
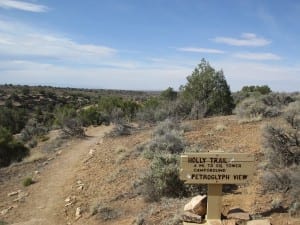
[259,222]
[87,159]
[80,188]
[68,204]
[92,151]
[4,211]
[237,213]
[78,213]
[59,152]
[36,172]
[45,163]
[68,199]
[49,159]
[21,197]
[191,217]
[13,193]
[79,183]
[197,205]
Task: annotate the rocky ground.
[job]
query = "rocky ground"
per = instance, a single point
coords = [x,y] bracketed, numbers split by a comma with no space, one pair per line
[93,180]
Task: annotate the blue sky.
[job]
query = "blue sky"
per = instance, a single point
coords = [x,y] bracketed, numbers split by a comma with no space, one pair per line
[149,44]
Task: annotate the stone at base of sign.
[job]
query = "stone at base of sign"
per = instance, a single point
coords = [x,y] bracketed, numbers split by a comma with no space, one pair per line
[237,213]
[197,205]
[191,217]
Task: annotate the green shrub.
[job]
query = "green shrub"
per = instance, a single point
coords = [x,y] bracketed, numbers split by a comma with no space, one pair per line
[163,178]
[91,116]
[10,149]
[263,89]
[169,94]
[117,108]
[27,181]
[251,91]
[13,119]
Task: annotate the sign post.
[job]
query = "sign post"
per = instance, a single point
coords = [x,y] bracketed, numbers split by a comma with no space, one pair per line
[216,169]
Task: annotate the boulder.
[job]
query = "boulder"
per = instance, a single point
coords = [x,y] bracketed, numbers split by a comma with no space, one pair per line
[259,222]
[191,217]
[237,213]
[197,205]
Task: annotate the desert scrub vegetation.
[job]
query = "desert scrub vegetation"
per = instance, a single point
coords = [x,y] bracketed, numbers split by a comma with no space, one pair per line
[281,143]
[263,106]
[253,91]
[27,181]
[11,150]
[33,131]
[164,149]
[104,212]
[167,137]
[163,178]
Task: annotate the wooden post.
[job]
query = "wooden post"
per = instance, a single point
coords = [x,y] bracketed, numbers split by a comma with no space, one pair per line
[214,200]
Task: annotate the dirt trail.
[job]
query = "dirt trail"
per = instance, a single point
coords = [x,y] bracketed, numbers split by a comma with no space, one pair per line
[46,199]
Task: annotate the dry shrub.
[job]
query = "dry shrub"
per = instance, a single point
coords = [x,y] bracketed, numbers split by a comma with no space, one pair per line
[282,150]
[121,129]
[166,138]
[73,128]
[250,108]
[266,106]
[105,212]
[163,178]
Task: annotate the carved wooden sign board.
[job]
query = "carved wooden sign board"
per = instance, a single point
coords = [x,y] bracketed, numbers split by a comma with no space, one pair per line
[216,169]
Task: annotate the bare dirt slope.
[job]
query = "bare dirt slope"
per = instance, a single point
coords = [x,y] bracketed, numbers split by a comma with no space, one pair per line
[99,177]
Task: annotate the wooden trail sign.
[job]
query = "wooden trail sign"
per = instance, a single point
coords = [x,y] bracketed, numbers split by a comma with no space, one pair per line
[215,169]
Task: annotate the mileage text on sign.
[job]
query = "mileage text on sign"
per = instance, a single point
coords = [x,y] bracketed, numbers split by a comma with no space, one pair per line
[213,168]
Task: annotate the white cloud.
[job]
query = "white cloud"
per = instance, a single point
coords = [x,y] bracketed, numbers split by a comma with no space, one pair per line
[201,50]
[21,5]
[278,77]
[257,56]
[20,40]
[246,39]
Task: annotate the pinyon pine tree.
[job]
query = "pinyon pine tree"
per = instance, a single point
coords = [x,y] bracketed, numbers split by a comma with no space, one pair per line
[208,90]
